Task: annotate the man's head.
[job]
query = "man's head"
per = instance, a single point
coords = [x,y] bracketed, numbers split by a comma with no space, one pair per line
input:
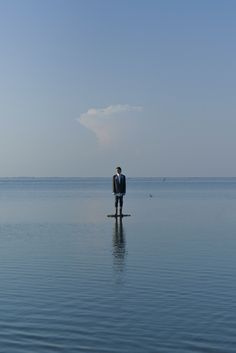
[118,170]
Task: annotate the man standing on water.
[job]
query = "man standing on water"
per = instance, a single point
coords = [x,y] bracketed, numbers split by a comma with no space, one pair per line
[119,189]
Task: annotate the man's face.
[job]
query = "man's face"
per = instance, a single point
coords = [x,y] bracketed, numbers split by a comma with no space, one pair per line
[118,171]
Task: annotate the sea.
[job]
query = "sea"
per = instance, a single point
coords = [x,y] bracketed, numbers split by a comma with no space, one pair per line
[160,281]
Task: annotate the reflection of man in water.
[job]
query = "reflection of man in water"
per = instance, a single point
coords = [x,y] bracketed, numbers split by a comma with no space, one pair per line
[119,189]
[119,245]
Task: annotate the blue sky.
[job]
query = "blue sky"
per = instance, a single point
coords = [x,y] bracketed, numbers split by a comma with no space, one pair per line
[87,85]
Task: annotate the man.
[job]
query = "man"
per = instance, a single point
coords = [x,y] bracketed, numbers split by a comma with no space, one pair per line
[119,189]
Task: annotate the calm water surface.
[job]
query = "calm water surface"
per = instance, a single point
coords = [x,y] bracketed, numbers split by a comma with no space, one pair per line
[73,280]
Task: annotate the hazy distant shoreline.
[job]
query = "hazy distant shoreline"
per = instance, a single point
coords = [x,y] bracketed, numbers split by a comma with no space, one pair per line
[105,179]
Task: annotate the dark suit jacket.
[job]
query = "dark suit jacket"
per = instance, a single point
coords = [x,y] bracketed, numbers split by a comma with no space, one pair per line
[119,187]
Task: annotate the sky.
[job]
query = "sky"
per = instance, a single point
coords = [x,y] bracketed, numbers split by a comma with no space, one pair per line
[87,85]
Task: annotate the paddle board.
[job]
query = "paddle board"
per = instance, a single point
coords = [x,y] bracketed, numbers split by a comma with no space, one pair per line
[116,216]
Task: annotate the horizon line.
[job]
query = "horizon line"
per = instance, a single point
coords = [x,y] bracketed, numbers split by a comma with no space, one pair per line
[129,177]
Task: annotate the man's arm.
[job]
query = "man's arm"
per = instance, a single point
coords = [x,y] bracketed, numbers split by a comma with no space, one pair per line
[113,185]
[124,184]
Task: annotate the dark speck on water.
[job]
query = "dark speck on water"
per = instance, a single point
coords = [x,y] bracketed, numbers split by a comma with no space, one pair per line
[73,280]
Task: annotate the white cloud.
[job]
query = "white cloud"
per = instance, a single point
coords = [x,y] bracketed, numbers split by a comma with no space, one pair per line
[107,123]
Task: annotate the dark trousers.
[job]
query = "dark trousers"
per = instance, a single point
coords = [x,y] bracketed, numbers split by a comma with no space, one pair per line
[118,199]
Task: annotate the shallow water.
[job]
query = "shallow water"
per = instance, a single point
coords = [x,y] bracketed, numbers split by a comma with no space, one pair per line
[73,280]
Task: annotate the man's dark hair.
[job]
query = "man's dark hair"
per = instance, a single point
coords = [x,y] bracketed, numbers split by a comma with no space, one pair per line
[119,168]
